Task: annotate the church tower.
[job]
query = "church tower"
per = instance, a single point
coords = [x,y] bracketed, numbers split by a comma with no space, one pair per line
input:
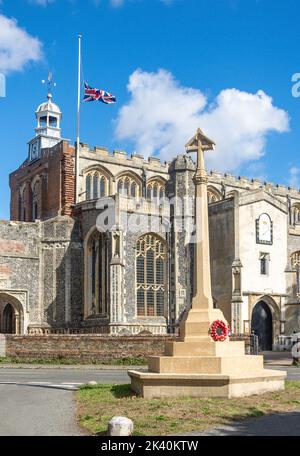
[43,186]
[48,131]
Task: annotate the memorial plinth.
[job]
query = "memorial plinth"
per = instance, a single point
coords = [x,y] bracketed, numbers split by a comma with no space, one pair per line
[196,365]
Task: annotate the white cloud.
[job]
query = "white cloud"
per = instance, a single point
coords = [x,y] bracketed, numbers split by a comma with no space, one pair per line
[161,116]
[17,47]
[294,177]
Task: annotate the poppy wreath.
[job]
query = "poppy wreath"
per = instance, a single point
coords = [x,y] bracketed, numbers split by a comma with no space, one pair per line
[219,330]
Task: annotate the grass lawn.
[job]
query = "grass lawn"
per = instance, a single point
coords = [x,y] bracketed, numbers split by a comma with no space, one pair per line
[98,404]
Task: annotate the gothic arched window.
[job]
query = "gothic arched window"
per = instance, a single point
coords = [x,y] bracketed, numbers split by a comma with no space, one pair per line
[120,186]
[133,189]
[88,183]
[102,186]
[155,189]
[151,276]
[96,185]
[295,262]
[98,274]
[296,214]
[149,192]
[213,195]
[128,186]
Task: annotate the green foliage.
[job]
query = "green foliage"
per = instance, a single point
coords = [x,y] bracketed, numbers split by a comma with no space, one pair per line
[60,360]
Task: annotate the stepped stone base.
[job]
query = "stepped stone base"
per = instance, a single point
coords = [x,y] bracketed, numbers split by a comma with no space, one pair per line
[200,367]
[151,385]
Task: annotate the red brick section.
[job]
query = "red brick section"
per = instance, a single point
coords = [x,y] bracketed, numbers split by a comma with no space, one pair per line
[5,270]
[87,348]
[68,180]
[55,170]
[11,246]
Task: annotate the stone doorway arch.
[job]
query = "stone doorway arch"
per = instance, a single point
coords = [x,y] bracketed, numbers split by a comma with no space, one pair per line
[11,315]
[262,325]
[9,320]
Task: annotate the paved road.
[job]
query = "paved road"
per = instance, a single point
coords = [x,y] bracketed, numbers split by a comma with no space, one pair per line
[37,411]
[293,373]
[72,378]
[62,378]
[40,402]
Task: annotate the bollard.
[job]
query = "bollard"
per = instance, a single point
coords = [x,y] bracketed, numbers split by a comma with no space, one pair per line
[120,426]
[296,352]
[2,346]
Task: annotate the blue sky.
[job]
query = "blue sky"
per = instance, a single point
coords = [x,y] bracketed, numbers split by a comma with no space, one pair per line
[213,62]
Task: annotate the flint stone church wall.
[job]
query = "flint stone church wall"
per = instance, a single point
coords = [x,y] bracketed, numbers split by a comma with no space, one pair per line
[19,265]
[41,265]
[62,265]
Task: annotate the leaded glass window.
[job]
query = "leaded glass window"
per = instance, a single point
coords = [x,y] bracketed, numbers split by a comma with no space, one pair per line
[96,185]
[102,186]
[99,279]
[133,189]
[155,189]
[295,261]
[127,186]
[213,195]
[88,182]
[151,274]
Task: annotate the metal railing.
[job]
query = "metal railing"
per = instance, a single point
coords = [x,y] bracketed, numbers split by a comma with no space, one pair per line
[254,344]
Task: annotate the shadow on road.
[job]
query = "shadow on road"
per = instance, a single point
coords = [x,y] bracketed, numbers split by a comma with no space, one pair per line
[279,424]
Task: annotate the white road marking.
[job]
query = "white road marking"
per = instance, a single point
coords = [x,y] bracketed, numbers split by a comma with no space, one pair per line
[64,385]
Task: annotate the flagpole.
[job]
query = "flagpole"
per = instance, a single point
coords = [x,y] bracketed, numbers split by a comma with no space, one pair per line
[78,123]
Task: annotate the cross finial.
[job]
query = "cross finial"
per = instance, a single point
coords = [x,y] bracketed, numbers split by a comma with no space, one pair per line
[50,83]
[199,143]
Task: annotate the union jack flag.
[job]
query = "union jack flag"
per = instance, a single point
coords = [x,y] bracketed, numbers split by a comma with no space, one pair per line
[92,94]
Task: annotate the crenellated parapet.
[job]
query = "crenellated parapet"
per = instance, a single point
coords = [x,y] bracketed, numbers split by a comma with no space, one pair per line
[242,183]
[120,157]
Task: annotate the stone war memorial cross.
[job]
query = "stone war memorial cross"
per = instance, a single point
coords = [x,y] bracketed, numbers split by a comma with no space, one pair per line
[200,364]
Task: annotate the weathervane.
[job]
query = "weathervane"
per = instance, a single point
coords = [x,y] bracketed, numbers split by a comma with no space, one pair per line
[50,83]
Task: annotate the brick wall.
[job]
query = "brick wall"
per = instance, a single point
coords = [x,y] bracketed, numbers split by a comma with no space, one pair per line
[55,170]
[85,348]
[91,348]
